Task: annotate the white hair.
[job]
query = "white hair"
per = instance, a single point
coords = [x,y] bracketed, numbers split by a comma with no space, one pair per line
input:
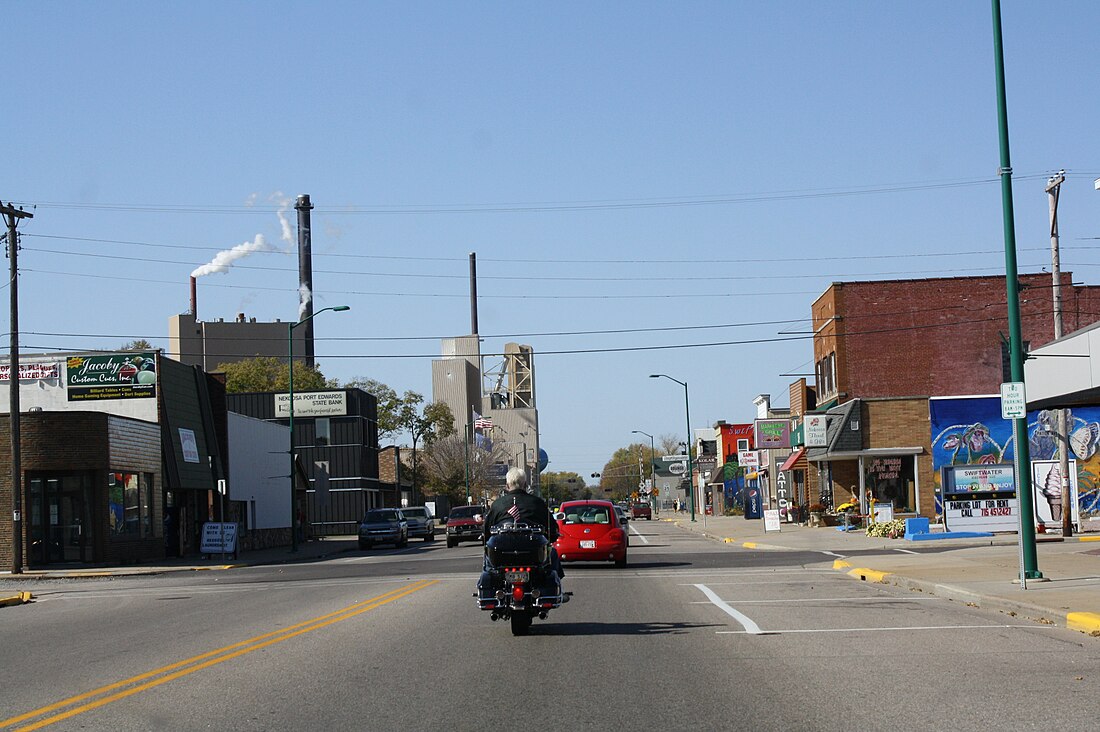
[516,478]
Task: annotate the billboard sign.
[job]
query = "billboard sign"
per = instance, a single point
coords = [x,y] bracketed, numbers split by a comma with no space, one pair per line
[969,479]
[112,376]
[32,371]
[772,434]
[312,404]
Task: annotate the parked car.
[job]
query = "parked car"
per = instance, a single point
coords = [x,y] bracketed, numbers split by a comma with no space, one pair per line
[383,526]
[641,510]
[590,531]
[464,524]
[421,522]
[624,517]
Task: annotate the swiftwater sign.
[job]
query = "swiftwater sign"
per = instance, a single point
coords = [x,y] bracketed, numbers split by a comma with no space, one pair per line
[117,376]
[980,498]
[313,404]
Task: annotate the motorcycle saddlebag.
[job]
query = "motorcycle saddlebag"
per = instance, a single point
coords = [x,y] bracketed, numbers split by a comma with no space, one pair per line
[517,550]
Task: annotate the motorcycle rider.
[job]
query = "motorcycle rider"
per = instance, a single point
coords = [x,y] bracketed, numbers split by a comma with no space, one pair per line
[519,506]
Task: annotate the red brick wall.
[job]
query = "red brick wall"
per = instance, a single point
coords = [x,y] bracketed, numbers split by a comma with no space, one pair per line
[938,337]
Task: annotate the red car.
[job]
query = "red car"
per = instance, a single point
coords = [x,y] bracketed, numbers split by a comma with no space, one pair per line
[641,510]
[590,532]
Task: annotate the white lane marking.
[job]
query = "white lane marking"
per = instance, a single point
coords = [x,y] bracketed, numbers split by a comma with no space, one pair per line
[832,554]
[639,535]
[746,622]
[899,628]
[907,551]
[830,599]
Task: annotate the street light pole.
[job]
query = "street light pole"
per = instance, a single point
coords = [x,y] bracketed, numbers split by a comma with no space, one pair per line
[290,389]
[687,412]
[652,469]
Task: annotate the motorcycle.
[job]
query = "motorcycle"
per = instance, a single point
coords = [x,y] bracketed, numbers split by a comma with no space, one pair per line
[519,582]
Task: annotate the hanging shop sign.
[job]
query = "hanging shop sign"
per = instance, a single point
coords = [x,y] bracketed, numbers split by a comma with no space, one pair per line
[816,433]
[112,376]
[772,433]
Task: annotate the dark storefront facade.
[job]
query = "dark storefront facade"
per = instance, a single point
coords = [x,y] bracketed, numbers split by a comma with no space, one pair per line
[336,442]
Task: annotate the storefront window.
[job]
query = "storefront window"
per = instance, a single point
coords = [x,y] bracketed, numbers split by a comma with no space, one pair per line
[130,505]
[892,479]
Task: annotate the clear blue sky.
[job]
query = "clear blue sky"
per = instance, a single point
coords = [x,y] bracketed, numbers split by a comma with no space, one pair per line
[616,166]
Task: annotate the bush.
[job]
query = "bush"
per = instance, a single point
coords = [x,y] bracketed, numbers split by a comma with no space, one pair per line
[893,529]
[817,508]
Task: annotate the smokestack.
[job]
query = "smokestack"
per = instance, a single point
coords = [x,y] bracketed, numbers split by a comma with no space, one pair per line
[473,293]
[305,273]
[194,298]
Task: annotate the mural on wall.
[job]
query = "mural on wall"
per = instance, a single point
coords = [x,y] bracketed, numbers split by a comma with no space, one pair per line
[970,431]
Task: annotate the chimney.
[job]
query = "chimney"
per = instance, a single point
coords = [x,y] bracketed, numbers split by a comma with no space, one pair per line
[194,299]
[305,273]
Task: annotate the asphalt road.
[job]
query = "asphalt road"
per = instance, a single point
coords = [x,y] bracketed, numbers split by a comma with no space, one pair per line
[693,634]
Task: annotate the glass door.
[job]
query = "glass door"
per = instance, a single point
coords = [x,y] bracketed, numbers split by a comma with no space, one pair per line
[61,529]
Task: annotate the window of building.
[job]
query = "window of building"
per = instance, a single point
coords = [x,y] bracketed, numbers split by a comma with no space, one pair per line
[825,371]
[892,479]
[130,505]
[322,431]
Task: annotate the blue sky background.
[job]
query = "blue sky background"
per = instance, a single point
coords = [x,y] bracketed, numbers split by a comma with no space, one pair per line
[615,166]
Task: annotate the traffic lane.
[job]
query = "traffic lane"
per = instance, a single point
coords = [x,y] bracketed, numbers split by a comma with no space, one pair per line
[81,640]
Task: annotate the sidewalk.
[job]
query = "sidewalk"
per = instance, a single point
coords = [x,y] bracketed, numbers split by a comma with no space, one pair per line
[983,572]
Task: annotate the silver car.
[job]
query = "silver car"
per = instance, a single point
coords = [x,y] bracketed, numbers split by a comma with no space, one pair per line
[421,522]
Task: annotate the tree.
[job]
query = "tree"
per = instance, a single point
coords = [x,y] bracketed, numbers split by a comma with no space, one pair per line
[389,404]
[433,422]
[670,444]
[446,463]
[139,344]
[622,473]
[268,373]
[562,485]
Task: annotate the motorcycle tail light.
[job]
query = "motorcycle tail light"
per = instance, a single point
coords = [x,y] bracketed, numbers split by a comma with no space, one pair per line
[517,593]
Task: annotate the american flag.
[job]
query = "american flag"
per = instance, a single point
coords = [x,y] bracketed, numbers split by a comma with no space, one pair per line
[513,510]
[482,423]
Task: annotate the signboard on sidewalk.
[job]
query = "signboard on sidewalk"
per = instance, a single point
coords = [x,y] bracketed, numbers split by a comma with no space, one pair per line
[218,538]
[981,514]
[771,520]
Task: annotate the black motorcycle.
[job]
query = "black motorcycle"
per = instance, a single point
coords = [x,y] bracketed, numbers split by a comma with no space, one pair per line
[519,582]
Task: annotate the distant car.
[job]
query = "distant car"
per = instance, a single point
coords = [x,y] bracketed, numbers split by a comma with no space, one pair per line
[464,524]
[624,517]
[421,522]
[383,526]
[641,510]
[590,531]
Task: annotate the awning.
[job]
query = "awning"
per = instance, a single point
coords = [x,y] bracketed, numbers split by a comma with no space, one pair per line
[792,459]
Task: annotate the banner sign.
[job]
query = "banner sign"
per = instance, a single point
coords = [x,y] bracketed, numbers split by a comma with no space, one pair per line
[748,459]
[772,433]
[32,371]
[114,376]
[313,404]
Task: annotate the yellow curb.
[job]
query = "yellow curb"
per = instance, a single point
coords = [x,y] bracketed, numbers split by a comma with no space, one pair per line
[18,599]
[1088,538]
[749,544]
[1087,622]
[840,564]
[868,575]
[729,540]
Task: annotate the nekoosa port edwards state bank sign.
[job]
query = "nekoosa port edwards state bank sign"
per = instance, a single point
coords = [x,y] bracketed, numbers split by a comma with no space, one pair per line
[111,376]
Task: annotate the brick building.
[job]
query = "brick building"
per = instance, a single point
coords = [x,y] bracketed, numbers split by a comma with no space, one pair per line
[888,346]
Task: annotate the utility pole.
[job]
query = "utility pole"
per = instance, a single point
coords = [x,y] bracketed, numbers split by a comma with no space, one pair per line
[1054,186]
[13,215]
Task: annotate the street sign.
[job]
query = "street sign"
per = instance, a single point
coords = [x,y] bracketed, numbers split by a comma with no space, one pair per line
[1013,401]
[675,457]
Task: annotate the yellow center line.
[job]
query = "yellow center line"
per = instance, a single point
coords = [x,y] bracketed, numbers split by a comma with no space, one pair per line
[208,659]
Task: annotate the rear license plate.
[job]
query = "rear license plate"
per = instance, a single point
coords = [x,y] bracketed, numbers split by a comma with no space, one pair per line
[588,544]
[516,575]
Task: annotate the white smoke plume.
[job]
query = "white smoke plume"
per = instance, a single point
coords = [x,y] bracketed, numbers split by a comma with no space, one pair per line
[287,234]
[305,296]
[222,260]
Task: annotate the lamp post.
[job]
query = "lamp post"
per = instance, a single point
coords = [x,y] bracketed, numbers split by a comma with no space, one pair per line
[687,412]
[290,388]
[652,454]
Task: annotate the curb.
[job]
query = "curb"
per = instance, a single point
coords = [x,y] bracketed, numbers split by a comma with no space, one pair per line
[17,599]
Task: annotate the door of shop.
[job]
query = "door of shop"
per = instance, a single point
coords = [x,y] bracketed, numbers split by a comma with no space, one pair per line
[61,529]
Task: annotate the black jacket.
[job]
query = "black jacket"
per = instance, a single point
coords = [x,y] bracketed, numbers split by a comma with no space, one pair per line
[532,510]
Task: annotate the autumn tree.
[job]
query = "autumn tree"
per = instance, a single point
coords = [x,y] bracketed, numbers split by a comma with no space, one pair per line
[622,473]
[389,404]
[265,373]
[562,485]
[447,461]
[139,344]
[430,423]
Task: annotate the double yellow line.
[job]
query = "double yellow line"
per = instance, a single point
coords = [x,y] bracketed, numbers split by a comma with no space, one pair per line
[80,703]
